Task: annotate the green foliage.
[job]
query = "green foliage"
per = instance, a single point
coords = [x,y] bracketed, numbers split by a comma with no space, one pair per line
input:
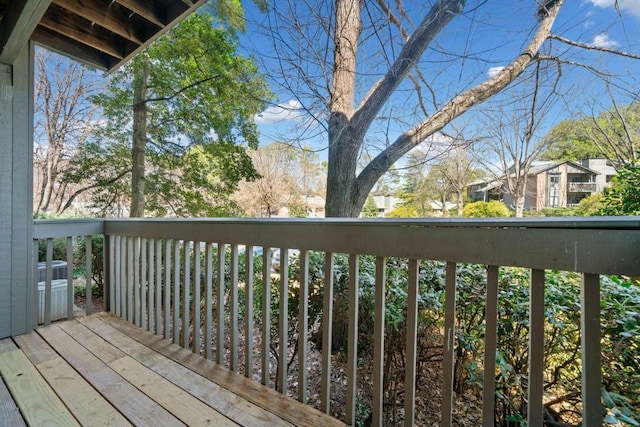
[590,205]
[370,210]
[490,209]
[403,212]
[620,332]
[568,141]
[201,101]
[623,197]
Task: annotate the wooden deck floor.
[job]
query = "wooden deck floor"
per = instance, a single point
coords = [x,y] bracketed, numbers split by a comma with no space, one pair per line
[101,370]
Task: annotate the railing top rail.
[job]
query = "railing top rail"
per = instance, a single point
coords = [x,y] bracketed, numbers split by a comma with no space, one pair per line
[608,223]
[52,228]
[600,246]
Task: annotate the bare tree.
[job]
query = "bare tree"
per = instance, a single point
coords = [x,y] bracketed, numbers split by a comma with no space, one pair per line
[287,173]
[512,136]
[326,59]
[64,119]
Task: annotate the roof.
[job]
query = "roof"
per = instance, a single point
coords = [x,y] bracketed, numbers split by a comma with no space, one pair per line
[101,33]
[541,166]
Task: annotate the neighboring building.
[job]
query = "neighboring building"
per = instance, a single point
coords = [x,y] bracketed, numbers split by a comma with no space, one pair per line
[550,184]
[386,204]
[314,205]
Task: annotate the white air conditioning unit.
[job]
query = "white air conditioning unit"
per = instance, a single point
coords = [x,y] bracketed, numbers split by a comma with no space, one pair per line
[58,300]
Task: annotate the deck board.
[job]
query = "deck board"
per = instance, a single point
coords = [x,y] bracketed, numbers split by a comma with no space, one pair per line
[104,371]
[9,412]
[84,402]
[38,403]
[267,398]
[132,403]
[236,408]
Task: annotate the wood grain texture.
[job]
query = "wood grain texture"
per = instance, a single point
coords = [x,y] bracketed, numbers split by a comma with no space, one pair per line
[185,407]
[290,410]
[236,408]
[84,402]
[37,401]
[9,412]
[131,402]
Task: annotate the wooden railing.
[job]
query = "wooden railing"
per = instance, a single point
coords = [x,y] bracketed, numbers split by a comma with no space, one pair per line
[180,279]
[54,304]
[582,187]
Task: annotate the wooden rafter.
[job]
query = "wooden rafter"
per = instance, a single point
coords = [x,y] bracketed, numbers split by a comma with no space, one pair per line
[144,10]
[102,14]
[63,22]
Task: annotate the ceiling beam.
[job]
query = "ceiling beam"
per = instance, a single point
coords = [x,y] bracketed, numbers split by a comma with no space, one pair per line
[144,10]
[108,18]
[19,23]
[60,21]
[83,53]
[174,20]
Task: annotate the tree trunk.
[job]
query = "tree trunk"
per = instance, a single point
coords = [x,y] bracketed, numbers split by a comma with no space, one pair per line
[519,201]
[139,142]
[460,202]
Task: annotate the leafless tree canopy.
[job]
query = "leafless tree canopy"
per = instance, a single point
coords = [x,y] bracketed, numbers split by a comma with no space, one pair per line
[391,75]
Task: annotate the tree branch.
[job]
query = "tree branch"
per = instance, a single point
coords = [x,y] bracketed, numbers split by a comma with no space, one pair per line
[438,17]
[89,187]
[592,47]
[458,105]
[184,89]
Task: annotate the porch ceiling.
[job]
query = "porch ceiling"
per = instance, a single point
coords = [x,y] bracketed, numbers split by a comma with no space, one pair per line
[101,33]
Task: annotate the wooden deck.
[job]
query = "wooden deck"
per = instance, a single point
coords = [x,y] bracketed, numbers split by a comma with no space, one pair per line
[101,370]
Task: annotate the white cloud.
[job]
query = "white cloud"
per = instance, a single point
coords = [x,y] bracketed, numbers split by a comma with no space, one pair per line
[290,110]
[494,70]
[631,6]
[603,40]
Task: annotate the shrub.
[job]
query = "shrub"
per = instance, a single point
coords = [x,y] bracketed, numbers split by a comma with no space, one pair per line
[490,209]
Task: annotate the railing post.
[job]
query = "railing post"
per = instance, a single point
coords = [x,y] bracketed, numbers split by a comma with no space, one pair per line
[108,272]
[591,352]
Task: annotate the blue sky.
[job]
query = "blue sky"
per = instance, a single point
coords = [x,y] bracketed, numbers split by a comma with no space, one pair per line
[480,41]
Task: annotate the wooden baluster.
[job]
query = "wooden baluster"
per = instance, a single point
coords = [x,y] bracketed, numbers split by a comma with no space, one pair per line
[70,290]
[535,409]
[197,341]
[266,314]
[220,305]
[233,309]
[491,337]
[377,412]
[411,345]
[151,327]
[283,321]
[352,345]
[208,301]
[176,292]
[591,351]
[136,280]
[449,344]
[186,303]
[143,283]
[327,334]
[248,313]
